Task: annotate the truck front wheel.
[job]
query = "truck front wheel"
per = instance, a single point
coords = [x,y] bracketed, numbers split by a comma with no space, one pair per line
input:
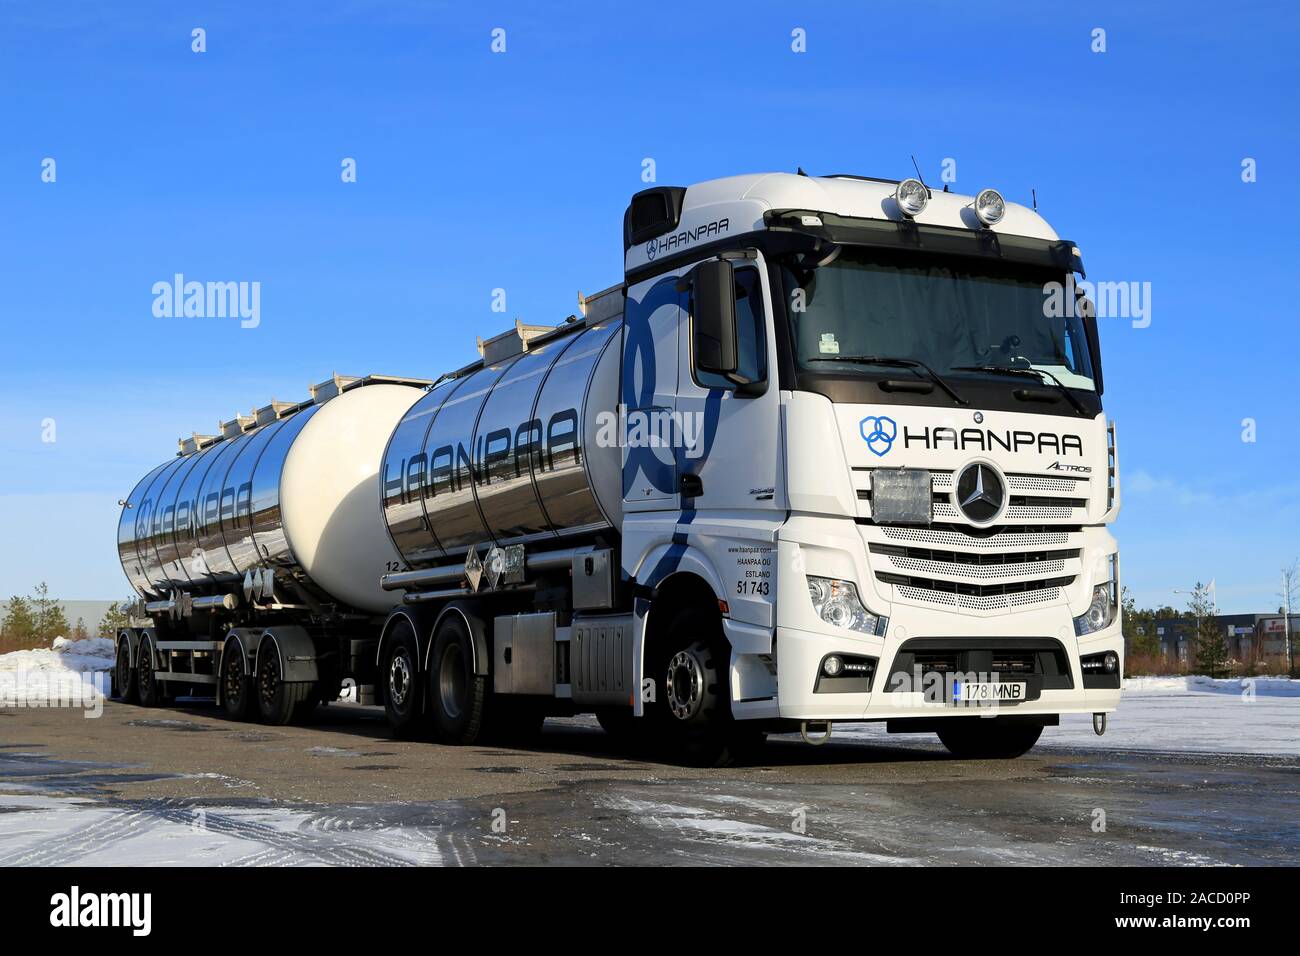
[691,711]
[988,738]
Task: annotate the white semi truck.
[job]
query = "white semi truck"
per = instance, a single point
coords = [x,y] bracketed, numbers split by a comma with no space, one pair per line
[823,456]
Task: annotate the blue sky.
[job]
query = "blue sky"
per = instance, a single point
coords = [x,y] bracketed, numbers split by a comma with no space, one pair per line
[479,170]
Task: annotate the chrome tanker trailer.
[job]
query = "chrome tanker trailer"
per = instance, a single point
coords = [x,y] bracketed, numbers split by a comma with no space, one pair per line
[833,450]
[319,542]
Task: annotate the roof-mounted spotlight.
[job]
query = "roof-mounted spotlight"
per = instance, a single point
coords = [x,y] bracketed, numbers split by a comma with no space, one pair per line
[990,206]
[911,196]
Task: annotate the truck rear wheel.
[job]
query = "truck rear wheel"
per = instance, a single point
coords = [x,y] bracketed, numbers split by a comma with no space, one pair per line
[403,689]
[988,738]
[236,684]
[148,687]
[124,687]
[279,701]
[457,695]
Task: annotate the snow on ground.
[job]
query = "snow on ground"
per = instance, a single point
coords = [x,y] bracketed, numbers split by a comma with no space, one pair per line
[90,654]
[68,673]
[54,831]
[1259,716]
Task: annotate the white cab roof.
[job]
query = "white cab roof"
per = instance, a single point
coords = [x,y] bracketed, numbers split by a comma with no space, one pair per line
[855,197]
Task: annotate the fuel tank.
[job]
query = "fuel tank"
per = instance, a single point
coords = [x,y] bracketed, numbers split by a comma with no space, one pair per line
[507,452]
[294,488]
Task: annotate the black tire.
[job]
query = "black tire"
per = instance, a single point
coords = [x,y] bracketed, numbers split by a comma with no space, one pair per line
[124,686]
[279,702]
[148,688]
[237,690]
[988,738]
[457,696]
[691,714]
[403,687]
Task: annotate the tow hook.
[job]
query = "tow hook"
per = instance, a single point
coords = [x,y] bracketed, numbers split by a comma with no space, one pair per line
[1098,724]
[824,726]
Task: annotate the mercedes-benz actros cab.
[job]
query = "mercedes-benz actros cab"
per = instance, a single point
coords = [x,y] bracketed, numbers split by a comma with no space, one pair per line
[833,451]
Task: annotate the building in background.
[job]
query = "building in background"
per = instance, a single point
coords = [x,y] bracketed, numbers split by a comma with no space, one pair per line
[1250,638]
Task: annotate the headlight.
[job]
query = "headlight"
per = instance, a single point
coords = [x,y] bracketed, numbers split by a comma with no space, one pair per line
[1100,613]
[990,206]
[836,602]
[911,196]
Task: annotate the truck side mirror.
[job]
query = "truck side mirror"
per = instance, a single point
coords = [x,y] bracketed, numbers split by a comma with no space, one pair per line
[713,317]
[1089,313]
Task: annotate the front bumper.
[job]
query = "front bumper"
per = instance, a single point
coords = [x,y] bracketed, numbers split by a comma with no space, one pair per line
[803,640]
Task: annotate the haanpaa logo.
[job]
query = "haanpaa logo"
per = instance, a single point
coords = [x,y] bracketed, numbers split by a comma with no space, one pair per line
[75,909]
[879,432]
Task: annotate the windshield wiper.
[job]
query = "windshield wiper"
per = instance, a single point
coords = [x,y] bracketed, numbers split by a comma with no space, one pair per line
[1008,370]
[888,360]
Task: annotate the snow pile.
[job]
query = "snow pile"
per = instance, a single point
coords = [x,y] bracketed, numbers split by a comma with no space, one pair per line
[67,674]
[91,654]
[1259,686]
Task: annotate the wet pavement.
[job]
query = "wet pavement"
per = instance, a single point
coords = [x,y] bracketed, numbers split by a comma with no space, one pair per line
[186,786]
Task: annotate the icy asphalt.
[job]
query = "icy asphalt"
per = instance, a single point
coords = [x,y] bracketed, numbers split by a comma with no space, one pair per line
[184,786]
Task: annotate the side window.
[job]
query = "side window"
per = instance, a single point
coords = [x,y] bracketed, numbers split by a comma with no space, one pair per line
[751,335]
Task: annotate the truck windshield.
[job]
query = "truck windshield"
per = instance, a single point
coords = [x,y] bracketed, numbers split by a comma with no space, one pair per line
[947,312]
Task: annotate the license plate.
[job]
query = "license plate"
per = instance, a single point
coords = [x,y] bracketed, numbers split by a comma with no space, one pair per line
[970,692]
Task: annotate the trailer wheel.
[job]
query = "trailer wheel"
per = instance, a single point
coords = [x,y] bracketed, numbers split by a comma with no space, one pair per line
[988,738]
[691,711]
[456,694]
[236,683]
[124,686]
[148,686]
[403,690]
[279,701]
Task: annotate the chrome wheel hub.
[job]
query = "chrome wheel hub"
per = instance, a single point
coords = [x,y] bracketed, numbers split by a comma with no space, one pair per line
[399,679]
[685,685]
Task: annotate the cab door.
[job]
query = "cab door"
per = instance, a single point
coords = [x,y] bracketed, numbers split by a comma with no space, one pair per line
[732,458]
[652,334]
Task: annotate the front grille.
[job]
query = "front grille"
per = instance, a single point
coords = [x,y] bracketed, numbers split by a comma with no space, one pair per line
[973,590]
[1004,602]
[997,570]
[1031,498]
[977,566]
[1004,663]
[954,536]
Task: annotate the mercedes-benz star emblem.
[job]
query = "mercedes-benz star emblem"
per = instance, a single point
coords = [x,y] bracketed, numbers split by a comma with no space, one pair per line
[980,493]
